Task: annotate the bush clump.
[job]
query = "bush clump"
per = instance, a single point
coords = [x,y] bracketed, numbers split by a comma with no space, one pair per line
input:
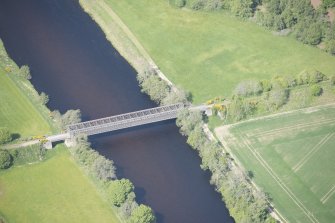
[5,159]
[5,135]
[316,90]
[142,214]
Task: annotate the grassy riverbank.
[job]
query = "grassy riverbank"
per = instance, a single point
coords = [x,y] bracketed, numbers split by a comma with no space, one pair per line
[208,53]
[55,190]
[17,112]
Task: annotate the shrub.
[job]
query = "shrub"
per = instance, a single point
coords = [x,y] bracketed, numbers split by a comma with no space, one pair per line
[153,85]
[44,98]
[316,90]
[316,77]
[25,72]
[5,136]
[303,77]
[5,159]
[142,214]
[332,80]
[178,96]
[29,154]
[330,46]
[278,97]
[266,85]
[70,117]
[103,168]
[247,88]
[178,3]
[119,190]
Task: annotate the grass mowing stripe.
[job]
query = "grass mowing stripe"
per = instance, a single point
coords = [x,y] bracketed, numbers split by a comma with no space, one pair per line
[297,126]
[328,195]
[308,213]
[312,152]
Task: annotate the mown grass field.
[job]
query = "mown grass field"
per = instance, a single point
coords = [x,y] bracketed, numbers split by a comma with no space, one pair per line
[16,111]
[209,53]
[55,190]
[292,158]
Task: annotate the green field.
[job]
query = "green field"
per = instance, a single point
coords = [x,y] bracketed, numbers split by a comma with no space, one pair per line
[209,53]
[16,112]
[52,191]
[292,158]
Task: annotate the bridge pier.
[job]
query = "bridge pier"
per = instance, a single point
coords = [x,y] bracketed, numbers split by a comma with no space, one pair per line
[70,142]
[47,145]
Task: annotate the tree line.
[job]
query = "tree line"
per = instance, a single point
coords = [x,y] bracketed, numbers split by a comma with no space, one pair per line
[119,192]
[245,203]
[308,25]
[251,97]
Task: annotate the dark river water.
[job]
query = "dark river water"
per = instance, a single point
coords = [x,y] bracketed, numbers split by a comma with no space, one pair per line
[72,62]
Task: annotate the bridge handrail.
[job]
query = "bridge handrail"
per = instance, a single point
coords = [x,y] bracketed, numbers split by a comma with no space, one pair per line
[166,109]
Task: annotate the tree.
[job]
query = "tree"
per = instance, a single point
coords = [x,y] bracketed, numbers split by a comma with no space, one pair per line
[5,136]
[153,86]
[71,117]
[247,88]
[278,97]
[266,85]
[44,98]
[188,120]
[142,214]
[332,80]
[178,3]
[119,191]
[178,96]
[330,46]
[316,77]
[25,72]
[5,159]
[242,8]
[103,168]
[316,90]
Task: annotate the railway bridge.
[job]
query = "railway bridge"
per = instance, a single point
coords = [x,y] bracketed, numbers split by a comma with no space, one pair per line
[118,122]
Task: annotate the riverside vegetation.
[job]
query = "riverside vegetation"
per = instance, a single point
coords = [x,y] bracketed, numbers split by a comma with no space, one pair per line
[252,98]
[206,53]
[29,116]
[245,203]
[171,36]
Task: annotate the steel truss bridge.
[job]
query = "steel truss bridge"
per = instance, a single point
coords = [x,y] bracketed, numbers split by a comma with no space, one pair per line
[126,120]
[122,121]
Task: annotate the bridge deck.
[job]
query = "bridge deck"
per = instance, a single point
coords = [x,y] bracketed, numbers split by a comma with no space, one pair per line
[125,120]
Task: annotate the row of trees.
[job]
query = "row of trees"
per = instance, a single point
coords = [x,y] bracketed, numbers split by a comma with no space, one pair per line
[244,202]
[310,25]
[251,95]
[120,192]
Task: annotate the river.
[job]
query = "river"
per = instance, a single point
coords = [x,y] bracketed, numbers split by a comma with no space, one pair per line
[71,61]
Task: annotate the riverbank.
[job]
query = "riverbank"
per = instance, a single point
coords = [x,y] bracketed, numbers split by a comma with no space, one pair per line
[121,37]
[209,53]
[101,12]
[27,182]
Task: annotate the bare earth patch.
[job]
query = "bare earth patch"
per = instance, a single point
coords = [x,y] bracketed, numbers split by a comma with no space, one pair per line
[316,3]
[331,15]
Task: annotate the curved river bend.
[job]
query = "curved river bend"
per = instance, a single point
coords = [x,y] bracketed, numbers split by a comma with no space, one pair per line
[72,62]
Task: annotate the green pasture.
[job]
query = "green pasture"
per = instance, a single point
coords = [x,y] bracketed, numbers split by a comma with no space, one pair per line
[55,190]
[291,157]
[17,112]
[209,53]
